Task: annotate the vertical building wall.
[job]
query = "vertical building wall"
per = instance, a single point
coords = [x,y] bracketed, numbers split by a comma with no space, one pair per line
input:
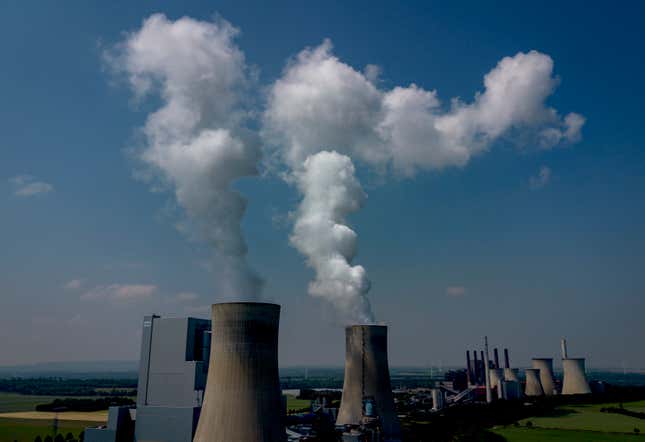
[172,377]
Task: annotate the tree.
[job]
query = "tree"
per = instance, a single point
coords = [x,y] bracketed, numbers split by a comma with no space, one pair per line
[69,436]
[81,436]
[637,430]
[529,424]
[38,439]
[59,438]
[48,438]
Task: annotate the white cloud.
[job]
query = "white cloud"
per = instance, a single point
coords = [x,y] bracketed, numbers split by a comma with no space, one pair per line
[196,142]
[120,292]
[456,291]
[186,296]
[321,103]
[27,185]
[74,284]
[541,179]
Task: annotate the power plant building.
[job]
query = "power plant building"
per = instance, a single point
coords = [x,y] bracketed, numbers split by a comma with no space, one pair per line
[367,377]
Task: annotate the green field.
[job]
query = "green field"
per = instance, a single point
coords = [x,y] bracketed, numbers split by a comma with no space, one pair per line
[26,430]
[19,402]
[546,435]
[293,403]
[579,423]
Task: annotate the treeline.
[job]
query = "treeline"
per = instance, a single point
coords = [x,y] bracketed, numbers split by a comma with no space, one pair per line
[84,404]
[53,386]
[59,438]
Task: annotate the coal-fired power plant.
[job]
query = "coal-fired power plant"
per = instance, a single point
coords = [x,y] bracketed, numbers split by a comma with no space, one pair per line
[367,378]
[242,401]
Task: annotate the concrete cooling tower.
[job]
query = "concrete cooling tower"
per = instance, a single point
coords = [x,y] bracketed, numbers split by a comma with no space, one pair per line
[545,365]
[574,380]
[367,376]
[533,385]
[242,401]
[496,376]
[510,374]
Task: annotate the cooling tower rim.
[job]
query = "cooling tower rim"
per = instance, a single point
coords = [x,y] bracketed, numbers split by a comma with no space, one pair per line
[542,359]
[372,326]
[244,303]
[531,369]
[573,359]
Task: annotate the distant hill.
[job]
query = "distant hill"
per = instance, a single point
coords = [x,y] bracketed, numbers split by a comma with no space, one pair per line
[83,369]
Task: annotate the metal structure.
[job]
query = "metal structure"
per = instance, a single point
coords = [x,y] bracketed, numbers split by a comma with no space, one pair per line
[367,376]
[574,380]
[533,385]
[545,365]
[242,401]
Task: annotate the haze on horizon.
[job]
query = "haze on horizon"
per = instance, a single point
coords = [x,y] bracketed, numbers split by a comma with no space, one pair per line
[406,165]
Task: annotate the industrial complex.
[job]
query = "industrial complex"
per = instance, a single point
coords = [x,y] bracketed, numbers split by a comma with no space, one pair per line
[218,381]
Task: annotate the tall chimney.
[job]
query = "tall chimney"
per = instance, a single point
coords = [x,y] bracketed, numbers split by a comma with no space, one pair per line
[496,358]
[468,368]
[489,396]
[476,364]
[563,346]
[242,401]
[483,369]
[367,376]
[506,362]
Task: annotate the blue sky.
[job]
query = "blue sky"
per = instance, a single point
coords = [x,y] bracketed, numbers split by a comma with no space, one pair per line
[452,254]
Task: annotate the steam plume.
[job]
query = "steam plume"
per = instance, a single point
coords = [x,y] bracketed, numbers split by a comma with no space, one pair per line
[321,103]
[195,143]
[331,192]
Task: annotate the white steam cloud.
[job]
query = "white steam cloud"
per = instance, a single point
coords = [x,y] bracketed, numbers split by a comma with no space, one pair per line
[331,192]
[321,104]
[196,143]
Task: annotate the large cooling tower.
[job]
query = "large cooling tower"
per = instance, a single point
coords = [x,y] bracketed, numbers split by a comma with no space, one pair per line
[533,385]
[496,377]
[242,401]
[510,374]
[367,375]
[545,365]
[574,380]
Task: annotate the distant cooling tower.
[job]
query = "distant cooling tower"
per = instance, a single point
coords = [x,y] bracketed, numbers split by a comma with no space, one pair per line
[574,380]
[533,385]
[367,375]
[242,401]
[545,365]
[510,374]
[496,376]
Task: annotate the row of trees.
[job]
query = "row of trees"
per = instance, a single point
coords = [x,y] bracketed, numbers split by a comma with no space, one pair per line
[69,437]
[53,386]
[84,404]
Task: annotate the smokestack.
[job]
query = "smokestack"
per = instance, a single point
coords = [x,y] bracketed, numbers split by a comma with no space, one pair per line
[563,346]
[489,397]
[496,358]
[574,381]
[468,368]
[367,376]
[242,400]
[506,362]
[482,372]
[476,363]
[545,365]
[533,385]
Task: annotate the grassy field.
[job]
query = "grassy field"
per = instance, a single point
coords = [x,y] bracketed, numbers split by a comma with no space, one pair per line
[26,430]
[548,435]
[293,403]
[579,423]
[19,402]
[88,416]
